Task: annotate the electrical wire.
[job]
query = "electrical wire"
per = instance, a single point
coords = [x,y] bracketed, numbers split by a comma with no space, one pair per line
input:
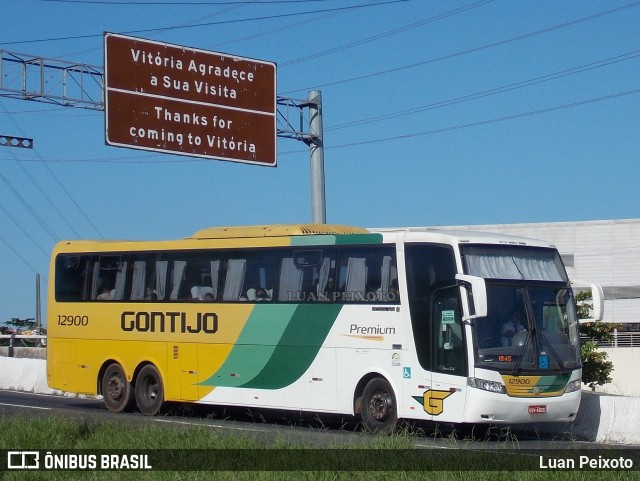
[493,91]
[185,2]
[58,181]
[209,24]
[476,124]
[45,226]
[17,253]
[389,33]
[17,223]
[468,51]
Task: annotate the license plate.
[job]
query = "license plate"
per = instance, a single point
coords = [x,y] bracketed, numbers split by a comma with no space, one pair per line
[537,409]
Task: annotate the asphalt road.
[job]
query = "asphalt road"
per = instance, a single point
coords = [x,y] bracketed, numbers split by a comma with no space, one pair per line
[269,425]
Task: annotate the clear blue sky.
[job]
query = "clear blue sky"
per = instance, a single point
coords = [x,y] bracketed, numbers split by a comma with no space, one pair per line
[399,151]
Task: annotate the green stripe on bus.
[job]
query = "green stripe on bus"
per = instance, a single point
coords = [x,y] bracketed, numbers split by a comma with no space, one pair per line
[553,383]
[342,239]
[298,347]
[277,345]
[254,346]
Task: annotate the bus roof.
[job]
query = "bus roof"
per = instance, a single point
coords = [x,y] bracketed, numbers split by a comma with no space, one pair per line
[276,230]
[460,236]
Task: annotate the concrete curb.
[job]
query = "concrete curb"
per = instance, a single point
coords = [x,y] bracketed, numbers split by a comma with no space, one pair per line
[601,418]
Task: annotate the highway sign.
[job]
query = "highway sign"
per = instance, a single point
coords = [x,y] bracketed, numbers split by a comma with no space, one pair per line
[179,100]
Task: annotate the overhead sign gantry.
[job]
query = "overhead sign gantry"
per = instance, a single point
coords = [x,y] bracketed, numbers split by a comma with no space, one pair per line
[173,99]
[73,84]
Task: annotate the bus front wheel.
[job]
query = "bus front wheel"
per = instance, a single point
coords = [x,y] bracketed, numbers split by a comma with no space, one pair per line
[116,390]
[149,390]
[379,412]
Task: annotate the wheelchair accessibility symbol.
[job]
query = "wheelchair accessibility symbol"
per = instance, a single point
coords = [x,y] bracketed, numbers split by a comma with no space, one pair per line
[406,373]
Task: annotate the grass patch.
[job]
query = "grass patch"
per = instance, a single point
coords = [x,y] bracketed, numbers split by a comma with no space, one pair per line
[203,443]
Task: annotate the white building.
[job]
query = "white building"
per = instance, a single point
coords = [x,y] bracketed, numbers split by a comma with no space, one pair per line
[606,252]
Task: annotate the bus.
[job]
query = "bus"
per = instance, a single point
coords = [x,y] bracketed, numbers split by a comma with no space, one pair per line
[381,324]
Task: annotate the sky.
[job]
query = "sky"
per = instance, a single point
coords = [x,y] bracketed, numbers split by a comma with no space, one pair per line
[434,112]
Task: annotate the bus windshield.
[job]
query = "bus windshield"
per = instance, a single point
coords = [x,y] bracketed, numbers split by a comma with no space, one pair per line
[528,328]
[531,324]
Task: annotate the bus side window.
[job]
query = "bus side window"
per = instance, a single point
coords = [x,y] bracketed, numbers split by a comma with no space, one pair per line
[71,274]
[368,274]
[108,278]
[307,275]
[249,275]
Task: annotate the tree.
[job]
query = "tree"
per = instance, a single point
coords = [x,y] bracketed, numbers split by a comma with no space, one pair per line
[596,369]
[22,326]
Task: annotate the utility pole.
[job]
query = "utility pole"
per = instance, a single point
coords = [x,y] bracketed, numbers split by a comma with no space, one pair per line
[38,305]
[316,150]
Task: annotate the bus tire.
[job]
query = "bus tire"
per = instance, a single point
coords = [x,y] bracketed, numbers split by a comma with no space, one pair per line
[116,390]
[149,391]
[379,412]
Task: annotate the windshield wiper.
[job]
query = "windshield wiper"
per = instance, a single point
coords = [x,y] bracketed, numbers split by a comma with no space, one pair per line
[531,334]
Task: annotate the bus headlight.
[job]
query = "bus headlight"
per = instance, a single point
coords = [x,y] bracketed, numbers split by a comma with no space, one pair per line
[573,386]
[491,386]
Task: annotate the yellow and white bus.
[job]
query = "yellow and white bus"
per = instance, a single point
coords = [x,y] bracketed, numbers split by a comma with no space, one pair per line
[386,324]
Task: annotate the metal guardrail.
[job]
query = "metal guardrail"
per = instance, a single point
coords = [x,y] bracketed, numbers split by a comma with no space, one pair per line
[24,341]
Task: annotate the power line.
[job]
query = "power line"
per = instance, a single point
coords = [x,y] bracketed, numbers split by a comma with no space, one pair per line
[279,29]
[489,92]
[215,14]
[46,227]
[209,24]
[60,184]
[17,253]
[388,33]
[182,3]
[23,230]
[470,50]
[483,122]
[36,185]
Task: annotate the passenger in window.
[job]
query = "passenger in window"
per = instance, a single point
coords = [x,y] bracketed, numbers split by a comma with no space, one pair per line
[262,294]
[208,297]
[150,294]
[330,289]
[511,327]
[105,295]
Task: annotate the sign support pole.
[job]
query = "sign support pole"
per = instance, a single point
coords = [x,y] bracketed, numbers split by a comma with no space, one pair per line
[316,150]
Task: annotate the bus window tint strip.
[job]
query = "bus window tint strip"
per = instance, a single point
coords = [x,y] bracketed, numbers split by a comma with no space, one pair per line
[349,274]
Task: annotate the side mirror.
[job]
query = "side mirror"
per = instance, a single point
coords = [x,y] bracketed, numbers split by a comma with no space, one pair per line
[478,290]
[597,299]
[598,302]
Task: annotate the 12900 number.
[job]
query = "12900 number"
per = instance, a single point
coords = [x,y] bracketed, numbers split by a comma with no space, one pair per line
[73,320]
[519,381]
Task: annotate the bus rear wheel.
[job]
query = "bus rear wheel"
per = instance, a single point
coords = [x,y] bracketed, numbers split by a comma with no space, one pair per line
[379,412]
[149,391]
[116,390]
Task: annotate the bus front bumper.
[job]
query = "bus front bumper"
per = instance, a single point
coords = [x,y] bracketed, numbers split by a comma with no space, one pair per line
[489,407]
